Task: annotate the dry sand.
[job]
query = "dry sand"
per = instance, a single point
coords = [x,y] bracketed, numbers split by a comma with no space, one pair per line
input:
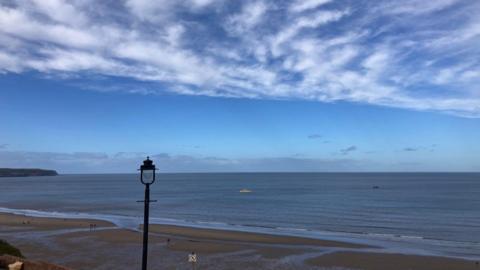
[115,248]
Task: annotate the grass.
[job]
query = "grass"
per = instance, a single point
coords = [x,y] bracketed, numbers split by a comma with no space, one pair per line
[6,248]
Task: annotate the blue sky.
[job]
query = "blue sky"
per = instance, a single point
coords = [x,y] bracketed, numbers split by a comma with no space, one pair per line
[212,85]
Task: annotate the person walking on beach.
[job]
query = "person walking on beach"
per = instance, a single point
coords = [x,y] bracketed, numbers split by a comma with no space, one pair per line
[192,258]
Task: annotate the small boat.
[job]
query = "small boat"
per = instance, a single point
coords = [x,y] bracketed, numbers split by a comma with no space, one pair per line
[244,190]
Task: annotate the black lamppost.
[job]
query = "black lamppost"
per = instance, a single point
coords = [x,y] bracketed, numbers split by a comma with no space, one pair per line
[147,177]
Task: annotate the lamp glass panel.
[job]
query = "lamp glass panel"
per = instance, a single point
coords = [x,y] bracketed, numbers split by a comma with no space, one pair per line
[147,176]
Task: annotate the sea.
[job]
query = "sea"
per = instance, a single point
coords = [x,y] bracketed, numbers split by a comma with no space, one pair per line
[412,213]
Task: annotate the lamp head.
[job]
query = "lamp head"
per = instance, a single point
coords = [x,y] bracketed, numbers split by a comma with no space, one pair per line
[147,172]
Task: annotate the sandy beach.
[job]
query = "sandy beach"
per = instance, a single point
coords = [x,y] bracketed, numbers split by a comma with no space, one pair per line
[27,223]
[73,243]
[236,236]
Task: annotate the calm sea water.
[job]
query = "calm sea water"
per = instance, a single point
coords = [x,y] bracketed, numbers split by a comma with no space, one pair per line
[427,212]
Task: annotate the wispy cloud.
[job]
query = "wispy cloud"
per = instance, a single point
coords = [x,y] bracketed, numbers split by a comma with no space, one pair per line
[348,150]
[416,7]
[315,136]
[317,50]
[250,16]
[429,148]
[128,162]
[303,5]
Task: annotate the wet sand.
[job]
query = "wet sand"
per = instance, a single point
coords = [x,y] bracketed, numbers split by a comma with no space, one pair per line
[71,243]
[377,261]
[21,222]
[237,236]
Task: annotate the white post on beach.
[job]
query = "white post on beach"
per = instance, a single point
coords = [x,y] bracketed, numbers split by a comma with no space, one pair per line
[192,258]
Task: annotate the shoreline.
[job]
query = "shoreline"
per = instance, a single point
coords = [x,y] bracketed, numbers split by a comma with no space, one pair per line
[25,222]
[44,237]
[248,237]
[414,246]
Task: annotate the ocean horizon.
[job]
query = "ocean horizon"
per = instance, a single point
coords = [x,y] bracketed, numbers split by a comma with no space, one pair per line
[417,213]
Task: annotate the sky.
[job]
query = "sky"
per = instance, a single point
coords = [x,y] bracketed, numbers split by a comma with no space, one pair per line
[233,86]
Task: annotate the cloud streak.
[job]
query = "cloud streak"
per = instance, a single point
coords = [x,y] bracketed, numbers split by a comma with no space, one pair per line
[126,162]
[316,50]
[315,136]
[428,148]
[348,150]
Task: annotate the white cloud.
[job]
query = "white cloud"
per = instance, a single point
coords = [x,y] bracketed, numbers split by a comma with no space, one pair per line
[301,23]
[10,63]
[150,10]
[264,49]
[69,60]
[201,3]
[303,5]
[17,23]
[60,11]
[250,16]
[174,34]
[469,34]
[162,10]
[376,61]
[416,7]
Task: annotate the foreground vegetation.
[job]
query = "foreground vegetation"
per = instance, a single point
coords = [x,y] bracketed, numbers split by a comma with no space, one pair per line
[6,248]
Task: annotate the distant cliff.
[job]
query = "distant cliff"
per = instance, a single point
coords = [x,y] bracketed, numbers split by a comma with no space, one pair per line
[26,172]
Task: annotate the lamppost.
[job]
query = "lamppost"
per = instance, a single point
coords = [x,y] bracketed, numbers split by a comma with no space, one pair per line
[147,177]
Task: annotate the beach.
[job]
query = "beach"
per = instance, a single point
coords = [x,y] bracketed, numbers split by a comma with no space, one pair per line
[76,244]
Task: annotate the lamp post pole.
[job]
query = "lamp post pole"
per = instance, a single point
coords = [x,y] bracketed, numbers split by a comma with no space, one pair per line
[147,177]
[145,227]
